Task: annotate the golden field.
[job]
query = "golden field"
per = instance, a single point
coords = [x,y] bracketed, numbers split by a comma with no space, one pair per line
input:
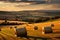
[9,34]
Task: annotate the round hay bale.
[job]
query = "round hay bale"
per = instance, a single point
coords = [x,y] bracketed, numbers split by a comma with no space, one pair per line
[10,27]
[15,27]
[21,32]
[0,29]
[35,28]
[48,30]
[52,25]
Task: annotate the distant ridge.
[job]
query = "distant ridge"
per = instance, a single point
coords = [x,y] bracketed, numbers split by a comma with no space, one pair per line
[39,13]
[34,11]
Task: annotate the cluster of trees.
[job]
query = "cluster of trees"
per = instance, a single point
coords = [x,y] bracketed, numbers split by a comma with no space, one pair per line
[10,23]
[31,20]
[43,19]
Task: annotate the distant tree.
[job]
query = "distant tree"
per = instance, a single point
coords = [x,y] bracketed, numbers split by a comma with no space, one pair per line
[5,18]
[47,18]
[16,18]
[57,17]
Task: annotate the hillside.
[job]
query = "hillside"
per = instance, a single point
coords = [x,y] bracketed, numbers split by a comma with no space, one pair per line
[9,34]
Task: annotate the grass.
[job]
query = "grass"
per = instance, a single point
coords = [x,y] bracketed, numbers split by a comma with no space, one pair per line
[9,34]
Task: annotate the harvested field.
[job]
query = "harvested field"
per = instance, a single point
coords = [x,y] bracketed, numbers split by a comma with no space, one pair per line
[9,34]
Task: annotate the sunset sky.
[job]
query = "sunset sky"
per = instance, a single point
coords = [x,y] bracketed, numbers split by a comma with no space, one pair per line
[23,6]
[7,6]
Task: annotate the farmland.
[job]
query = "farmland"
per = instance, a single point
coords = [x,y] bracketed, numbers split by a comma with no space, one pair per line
[45,14]
[9,34]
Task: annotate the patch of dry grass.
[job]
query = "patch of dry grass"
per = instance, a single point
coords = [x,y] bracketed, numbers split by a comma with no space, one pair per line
[9,34]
